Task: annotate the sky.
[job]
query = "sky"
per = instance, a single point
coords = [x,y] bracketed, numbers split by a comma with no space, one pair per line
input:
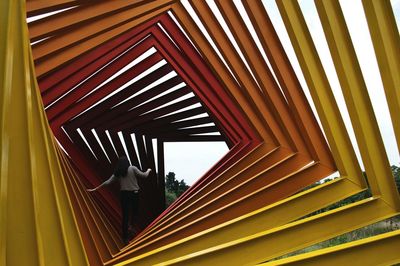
[189,161]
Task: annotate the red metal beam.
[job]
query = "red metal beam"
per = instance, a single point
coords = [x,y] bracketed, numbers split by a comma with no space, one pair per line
[84,66]
[78,94]
[110,114]
[131,149]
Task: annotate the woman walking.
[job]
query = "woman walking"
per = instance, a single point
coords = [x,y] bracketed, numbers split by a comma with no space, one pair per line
[127,176]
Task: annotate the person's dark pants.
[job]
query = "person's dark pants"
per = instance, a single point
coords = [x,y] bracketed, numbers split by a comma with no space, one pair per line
[130,208]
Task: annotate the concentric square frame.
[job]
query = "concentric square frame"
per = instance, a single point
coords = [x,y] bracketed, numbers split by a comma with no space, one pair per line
[245,212]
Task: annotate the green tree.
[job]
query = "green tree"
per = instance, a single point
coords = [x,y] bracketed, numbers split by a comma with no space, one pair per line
[182,187]
[169,197]
[396,174]
[170,181]
[173,188]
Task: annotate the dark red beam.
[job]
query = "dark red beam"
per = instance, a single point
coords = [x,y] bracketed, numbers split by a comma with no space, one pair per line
[176,125]
[215,97]
[107,145]
[70,99]
[190,75]
[184,132]
[161,171]
[142,151]
[159,122]
[110,114]
[131,122]
[217,89]
[102,160]
[131,149]
[193,139]
[94,117]
[144,108]
[92,175]
[117,143]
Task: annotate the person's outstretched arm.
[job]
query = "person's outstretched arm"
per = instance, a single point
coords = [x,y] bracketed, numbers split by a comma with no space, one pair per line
[105,183]
[140,173]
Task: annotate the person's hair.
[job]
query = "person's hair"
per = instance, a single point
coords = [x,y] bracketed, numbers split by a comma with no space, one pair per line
[122,167]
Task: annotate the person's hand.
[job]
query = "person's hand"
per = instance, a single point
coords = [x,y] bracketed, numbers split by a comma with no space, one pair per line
[148,170]
[91,189]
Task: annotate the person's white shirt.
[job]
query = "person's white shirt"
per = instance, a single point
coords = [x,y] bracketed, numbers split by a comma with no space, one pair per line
[128,182]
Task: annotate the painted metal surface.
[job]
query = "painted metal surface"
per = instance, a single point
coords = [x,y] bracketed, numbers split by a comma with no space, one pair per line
[249,208]
[35,206]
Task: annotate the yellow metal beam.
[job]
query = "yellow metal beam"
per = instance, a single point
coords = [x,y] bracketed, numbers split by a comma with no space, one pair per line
[81,14]
[386,41]
[321,92]
[292,104]
[355,92]
[185,22]
[37,223]
[307,231]
[266,218]
[269,244]
[262,73]
[378,250]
